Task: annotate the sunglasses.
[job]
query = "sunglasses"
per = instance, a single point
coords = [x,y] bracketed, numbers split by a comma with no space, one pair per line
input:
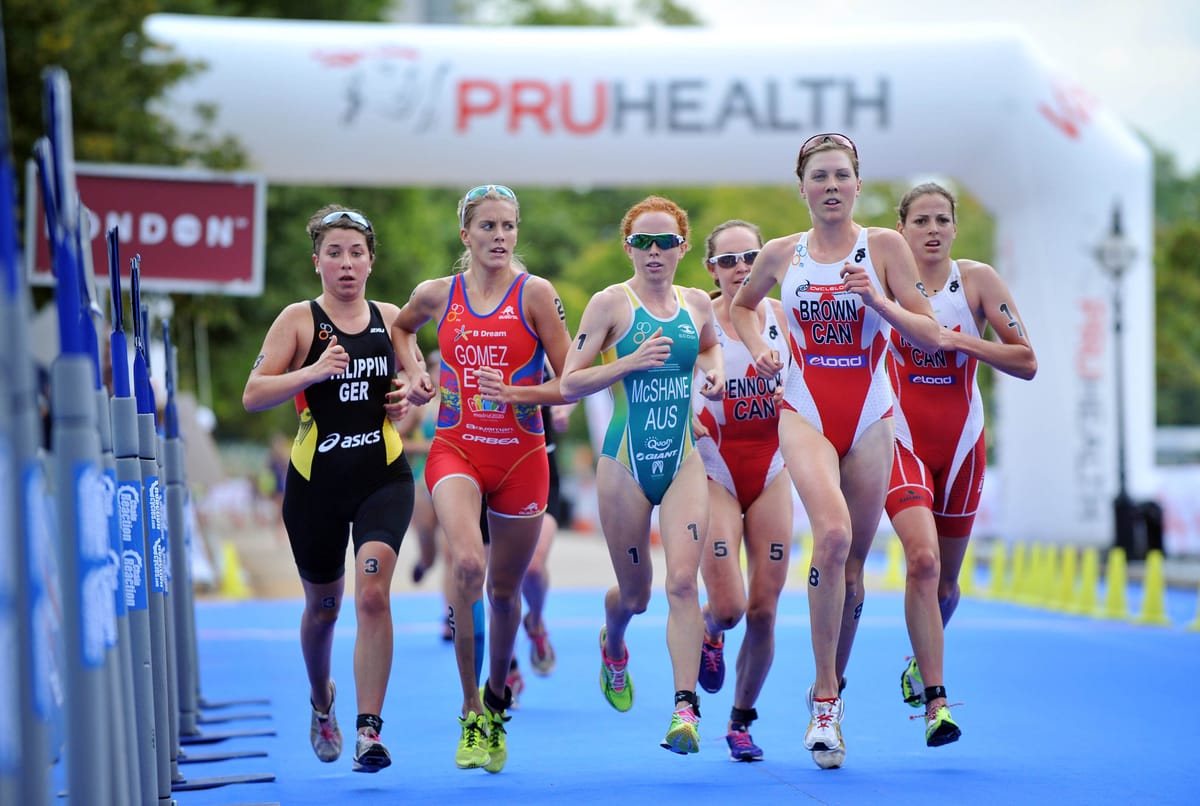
[663,240]
[730,259]
[478,193]
[355,218]
[827,137]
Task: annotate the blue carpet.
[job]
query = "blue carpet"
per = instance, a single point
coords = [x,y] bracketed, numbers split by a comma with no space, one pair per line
[1055,710]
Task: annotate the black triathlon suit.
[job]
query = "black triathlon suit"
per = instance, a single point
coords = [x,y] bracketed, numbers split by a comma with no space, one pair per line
[347,465]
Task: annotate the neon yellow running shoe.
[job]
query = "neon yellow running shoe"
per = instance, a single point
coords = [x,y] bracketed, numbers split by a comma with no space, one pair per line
[615,682]
[912,686]
[497,739]
[683,736]
[472,747]
[940,728]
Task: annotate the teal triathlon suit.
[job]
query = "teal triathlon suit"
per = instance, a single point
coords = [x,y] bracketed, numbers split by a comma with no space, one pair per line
[347,467]
[651,428]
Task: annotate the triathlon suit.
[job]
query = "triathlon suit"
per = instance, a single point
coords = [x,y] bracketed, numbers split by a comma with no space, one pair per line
[428,429]
[500,447]
[741,450]
[347,465]
[940,453]
[838,381]
[650,432]
[556,505]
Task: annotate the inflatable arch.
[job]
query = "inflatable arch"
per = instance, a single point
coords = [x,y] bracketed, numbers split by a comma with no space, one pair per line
[382,104]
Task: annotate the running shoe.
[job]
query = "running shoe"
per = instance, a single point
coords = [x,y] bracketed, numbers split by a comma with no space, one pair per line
[369,753]
[712,665]
[515,682]
[323,730]
[912,687]
[741,746]
[824,734]
[615,681]
[473,745]
[497,738]
[541,653]
[940,728]
[683,736]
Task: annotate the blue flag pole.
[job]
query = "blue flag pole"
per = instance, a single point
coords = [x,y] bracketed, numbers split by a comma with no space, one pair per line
[182,605]
[78,483]
[24,756]
[131,524]
[118,664]
[156,544]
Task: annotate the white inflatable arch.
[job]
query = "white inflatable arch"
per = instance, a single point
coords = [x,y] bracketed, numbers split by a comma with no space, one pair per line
[380,104]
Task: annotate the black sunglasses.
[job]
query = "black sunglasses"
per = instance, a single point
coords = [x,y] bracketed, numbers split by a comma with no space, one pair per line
[663,240]
[730,259]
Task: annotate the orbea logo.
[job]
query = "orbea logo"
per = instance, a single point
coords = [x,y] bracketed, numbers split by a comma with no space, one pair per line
[490,440]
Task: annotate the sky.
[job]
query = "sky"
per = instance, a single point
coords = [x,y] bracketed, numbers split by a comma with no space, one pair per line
[1140,59]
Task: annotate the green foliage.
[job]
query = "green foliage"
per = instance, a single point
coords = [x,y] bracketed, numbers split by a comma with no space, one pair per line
[355,10]
[106,56]
[568,236]
[570,12]
[1177,299]
[1177,292]
[668,12]
[1176,197]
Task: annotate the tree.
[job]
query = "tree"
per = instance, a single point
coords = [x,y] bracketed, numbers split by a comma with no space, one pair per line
[1177,292]
[570,237]
[1177,347]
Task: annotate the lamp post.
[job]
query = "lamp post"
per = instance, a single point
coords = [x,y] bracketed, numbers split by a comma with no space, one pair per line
[1115,254]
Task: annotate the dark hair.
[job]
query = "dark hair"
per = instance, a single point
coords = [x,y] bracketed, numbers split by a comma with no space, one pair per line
[317,228]
[924,189]
[733,223]
[710,249]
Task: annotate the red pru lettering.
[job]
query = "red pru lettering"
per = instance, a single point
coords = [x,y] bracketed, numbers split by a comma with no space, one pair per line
[1089,358]
[530,99]
[549,108]
[476,97]
[599,110]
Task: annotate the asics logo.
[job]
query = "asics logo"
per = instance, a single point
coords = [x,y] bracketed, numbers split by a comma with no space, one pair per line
[336,440]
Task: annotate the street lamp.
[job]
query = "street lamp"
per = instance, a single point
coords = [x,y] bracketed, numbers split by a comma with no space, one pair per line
[1115,254]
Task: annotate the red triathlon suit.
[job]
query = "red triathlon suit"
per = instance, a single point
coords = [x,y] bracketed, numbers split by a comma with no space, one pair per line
[741,450]
[940,453]
[500,447]
[838,381]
